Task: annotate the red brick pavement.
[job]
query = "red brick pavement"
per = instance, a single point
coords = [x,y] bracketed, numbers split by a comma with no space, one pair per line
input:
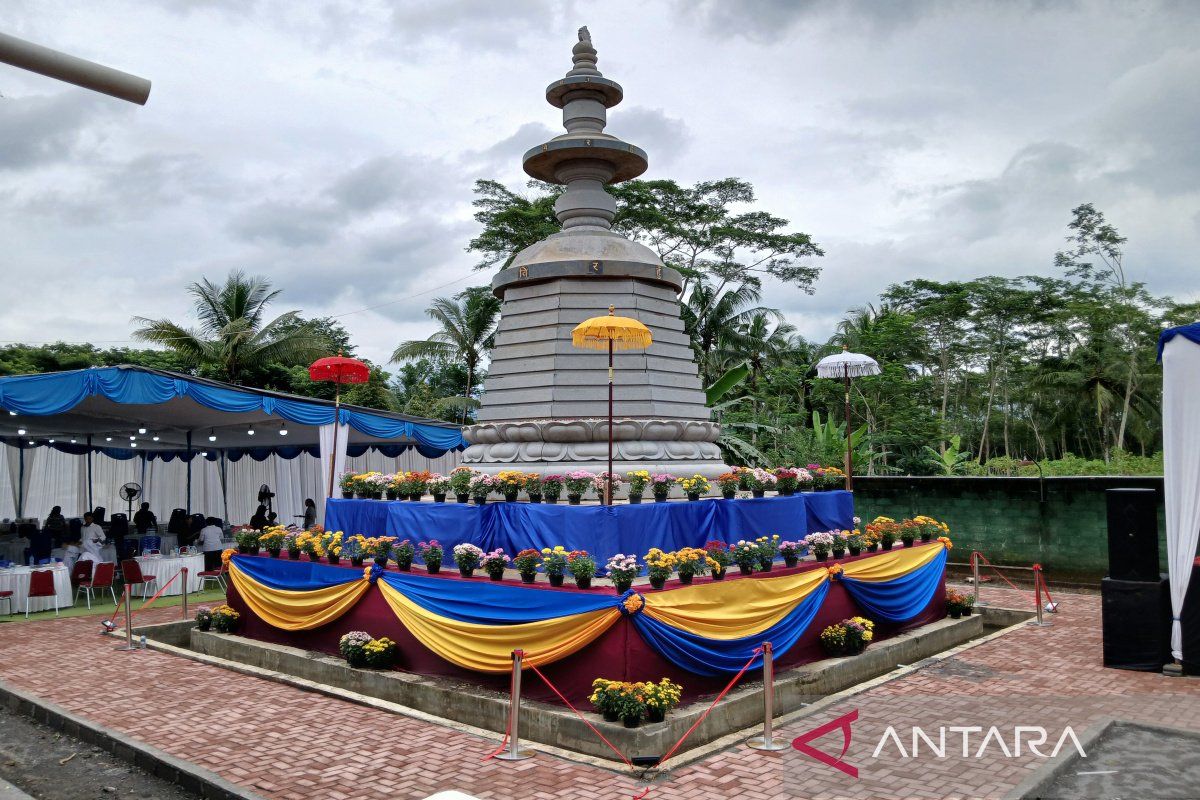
[286,743]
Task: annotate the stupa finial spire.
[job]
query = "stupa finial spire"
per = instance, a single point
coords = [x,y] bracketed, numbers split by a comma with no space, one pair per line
[583,54]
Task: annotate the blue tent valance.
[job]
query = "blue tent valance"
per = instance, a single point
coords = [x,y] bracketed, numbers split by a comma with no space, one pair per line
[1190,332]
[58,393]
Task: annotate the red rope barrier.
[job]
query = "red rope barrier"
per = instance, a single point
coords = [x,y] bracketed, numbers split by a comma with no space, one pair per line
[998,573]
[703,716]
[508,722]
[146,603]
[554,689]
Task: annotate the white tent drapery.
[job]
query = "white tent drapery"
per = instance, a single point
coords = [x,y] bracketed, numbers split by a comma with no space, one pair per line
[1179,350]
[327,439]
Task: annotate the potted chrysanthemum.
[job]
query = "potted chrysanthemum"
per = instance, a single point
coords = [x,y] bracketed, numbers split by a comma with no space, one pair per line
[468,557]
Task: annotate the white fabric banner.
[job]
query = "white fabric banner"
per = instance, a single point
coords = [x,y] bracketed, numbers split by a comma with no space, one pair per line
[338,459]
[1181,470]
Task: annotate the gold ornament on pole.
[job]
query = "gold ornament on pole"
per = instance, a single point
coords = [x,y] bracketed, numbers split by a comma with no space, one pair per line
[611,333]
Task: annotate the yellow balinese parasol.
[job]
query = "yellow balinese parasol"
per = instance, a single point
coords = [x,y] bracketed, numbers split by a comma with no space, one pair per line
[611,333]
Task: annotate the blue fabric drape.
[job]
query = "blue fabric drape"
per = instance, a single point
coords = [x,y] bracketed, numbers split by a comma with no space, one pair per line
[494,603]
[603,531]
[59,392]
[723,656]
[900,599]
[296,576]
[1190,332]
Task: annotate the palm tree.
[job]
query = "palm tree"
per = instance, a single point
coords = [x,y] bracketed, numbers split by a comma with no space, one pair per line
[468,330]
[233,336]
[715,319]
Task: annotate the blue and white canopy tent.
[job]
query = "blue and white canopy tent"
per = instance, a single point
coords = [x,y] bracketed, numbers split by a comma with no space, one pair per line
[154,417]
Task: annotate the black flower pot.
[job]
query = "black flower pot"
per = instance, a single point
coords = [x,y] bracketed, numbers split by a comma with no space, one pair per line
[765,566]
[926,537]
[907,542]
[655,715]
[790,561]
[631,722]
[496,576]
[294,555]
[439,498]
[243,550]
[746,569]
[466,572]
[381,561]
[510,497]
[759,492]
[357,561]
[719,576]
[528,577]
[574,499]
[556,580]
[685,578]
[481,501]
[967,611]
[392,494]
[347,495]
[787,492]
[405,566]
[838,553]
[822,556]
[658,583]
[622,586]
[956,613]
[584,582]
[635,499]
[729,495]
[611,716]
[434,567]
[535,498]
[550,501]
[873,547]
[416,497]
[273,552]
[335,560]
[887,545]
[462,498]
[693,496]
[206,624]
[660,498]
[854,551]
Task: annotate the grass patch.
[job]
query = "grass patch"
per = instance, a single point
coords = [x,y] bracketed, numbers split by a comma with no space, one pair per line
[104,606]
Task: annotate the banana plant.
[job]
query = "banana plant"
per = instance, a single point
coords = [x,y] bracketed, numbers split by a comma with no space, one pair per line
[721,386]
[829,434]
[952,461]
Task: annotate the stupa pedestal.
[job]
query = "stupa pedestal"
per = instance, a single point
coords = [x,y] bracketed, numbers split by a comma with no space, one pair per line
[545,402]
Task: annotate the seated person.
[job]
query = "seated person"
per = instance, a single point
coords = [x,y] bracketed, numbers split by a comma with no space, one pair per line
[91,542]
[210,542]
[40,545]
[144,519]
[259,520]
[56,525]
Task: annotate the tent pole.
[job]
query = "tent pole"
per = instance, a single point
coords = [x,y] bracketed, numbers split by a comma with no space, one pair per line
[224,486]
[89,472]
[187,503]
[20,480]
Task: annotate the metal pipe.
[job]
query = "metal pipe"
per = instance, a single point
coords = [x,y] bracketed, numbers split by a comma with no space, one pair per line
[63,67]
[1037,597]
[128,597]
[767,740]
[975,577]
[183,573]
[514,752]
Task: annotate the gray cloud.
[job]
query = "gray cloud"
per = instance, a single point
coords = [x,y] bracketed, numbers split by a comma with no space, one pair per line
[43,128]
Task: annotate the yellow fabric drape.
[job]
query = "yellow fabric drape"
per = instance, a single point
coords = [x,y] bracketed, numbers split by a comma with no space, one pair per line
[488,648]
[892,564]
[296,611]
[733,609]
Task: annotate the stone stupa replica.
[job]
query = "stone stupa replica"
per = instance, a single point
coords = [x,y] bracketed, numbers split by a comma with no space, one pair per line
[545,402]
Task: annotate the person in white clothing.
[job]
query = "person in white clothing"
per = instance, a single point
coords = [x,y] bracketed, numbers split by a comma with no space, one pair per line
[92,539]
[209,540]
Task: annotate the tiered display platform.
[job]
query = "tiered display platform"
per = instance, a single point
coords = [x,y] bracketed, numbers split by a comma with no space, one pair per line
[601,530]
[698,635]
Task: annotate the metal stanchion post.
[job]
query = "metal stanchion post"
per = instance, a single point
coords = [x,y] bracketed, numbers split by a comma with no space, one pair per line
[767,740]
[975,577]
[183,573]
[128,622]
[514,752]
[1037,597]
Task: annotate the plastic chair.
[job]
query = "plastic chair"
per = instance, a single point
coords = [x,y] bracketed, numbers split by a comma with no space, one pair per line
[217,575]
[102,579]
[152,543]
[118,526]
[82,571]
[131,571]
[41,584]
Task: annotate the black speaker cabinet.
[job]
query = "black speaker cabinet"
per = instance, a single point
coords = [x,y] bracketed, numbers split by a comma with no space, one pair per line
[1136,619]
[1190,622]
[1132,534]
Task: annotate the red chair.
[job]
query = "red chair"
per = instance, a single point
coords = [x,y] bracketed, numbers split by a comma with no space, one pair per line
[100,580]
[7,598]
[131,571]
[217,575]
[82,571]
[41,584]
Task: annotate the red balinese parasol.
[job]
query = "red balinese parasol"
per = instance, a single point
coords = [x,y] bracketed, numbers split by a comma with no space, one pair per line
[338,369]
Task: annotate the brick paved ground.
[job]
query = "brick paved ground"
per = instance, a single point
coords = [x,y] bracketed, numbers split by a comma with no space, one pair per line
[286,743]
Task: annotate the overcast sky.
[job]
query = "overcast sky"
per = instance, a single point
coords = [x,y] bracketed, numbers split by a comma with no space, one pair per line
[332,146]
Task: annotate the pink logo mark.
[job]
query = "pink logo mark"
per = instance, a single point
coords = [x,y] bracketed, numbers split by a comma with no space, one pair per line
[801,743]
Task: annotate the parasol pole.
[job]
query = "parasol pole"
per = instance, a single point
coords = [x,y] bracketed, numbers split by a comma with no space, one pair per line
[337,403]
[608,478]
[849,457]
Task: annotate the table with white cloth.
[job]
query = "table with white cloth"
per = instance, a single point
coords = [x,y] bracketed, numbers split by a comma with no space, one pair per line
[163,568]
[12,548]
[16,580]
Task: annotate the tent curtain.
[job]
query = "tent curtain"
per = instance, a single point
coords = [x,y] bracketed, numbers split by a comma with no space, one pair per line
[1180,354]
[328,457]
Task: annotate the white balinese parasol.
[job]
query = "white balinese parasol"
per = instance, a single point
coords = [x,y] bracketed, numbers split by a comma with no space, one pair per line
[847,365]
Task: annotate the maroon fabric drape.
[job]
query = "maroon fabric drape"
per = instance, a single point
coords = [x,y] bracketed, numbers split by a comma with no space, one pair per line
[619,654]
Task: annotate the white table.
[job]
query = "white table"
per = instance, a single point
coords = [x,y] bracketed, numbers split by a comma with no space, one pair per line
[16,580]
[164,568]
